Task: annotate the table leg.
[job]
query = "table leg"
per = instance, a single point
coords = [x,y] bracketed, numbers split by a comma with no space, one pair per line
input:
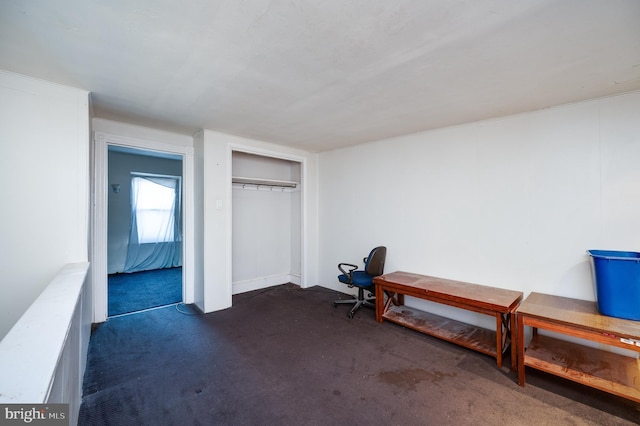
[379,302]
[520,341]
[514,341]
[499,339]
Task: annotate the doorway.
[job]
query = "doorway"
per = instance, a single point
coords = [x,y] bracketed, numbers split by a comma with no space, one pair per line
[144,230]
[102,255]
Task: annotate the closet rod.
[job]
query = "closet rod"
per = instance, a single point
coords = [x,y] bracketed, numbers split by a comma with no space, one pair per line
[263,182]
[269,188]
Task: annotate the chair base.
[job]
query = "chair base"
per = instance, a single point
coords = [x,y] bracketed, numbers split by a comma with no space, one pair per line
[358,302]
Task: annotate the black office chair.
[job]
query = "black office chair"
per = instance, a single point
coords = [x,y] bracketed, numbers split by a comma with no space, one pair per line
[373,266]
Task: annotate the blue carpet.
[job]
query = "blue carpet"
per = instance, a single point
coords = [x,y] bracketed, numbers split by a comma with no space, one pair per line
[143,290]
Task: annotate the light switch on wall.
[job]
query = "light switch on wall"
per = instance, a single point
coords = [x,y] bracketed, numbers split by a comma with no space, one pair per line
[218,204]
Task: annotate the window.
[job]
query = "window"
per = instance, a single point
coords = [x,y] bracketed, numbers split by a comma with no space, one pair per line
[154,203]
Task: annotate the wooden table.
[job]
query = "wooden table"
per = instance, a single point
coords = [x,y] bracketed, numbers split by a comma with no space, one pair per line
[604,370]
[496,302]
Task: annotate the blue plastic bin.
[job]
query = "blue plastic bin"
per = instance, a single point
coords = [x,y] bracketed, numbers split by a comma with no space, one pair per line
[617,278]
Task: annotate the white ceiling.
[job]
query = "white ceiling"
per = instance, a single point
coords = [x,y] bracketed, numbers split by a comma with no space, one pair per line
[323,74]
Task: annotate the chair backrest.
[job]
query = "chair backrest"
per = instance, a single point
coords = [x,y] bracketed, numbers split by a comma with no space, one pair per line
[374,265]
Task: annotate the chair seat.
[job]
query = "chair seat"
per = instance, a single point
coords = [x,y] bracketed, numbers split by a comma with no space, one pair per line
[360,279]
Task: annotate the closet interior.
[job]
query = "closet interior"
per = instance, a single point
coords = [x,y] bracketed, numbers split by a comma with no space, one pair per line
[267,221]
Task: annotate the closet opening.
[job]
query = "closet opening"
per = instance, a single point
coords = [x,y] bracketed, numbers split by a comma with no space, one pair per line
[266,221]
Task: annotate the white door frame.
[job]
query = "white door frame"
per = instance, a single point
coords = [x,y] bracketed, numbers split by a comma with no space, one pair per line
[101,142]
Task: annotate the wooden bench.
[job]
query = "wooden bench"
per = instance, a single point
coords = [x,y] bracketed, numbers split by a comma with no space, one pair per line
[499,303]
[611,372]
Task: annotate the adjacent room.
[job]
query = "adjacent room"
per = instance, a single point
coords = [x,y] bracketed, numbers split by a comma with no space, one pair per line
[195,190]
[144,252]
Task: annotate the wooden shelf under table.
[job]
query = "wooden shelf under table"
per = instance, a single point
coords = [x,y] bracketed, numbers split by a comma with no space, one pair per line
[476,338]
[599,369]
[608,371]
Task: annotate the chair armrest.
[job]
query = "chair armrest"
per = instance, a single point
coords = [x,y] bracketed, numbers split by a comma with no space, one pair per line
[349,272]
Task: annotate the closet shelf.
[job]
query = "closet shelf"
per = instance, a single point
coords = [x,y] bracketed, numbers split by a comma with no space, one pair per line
[263,182]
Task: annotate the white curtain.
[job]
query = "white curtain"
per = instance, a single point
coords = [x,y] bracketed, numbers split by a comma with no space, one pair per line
[154,241]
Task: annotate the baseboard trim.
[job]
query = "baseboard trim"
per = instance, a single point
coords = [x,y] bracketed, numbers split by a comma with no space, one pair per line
[264,282]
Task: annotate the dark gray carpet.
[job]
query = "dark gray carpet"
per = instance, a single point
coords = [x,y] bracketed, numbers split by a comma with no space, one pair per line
[143,290]
[286,356]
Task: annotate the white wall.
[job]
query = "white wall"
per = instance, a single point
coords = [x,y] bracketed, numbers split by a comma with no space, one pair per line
[44,167]
[213,168]
[199,154]
[261,241]
[127,130]
[512,202]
